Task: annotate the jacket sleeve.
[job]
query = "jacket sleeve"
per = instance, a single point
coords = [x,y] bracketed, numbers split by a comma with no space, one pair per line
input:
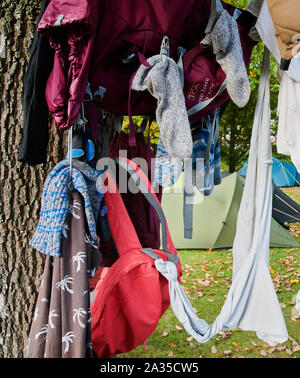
[35,110]
[70,27]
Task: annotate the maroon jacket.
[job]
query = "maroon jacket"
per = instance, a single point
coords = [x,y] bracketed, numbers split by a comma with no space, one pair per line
[91,37]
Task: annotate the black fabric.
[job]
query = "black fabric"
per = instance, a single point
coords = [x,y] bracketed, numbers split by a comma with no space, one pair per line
[33,147]
[285,64]
[247,19]
[285,210]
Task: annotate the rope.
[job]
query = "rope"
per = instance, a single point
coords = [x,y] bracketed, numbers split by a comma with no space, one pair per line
[286,170]
[279,211]
[276,195]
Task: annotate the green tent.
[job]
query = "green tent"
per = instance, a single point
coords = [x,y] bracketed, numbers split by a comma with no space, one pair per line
[215,217]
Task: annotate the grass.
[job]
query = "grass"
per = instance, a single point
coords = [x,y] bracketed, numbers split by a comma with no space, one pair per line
[206,280]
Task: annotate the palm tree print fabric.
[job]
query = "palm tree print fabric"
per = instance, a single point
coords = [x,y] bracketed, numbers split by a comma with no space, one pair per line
[61,321]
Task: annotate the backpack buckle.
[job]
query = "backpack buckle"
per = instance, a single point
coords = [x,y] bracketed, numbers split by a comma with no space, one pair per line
[165,47]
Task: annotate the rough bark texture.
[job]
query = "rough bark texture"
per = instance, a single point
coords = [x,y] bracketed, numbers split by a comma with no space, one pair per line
[20,185]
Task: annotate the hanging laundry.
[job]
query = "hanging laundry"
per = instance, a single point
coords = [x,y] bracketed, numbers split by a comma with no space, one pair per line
[224,40]
[286,20]
[61,325]
[206,157]
[288,134]
[54,206]
[167,169]
[251,303]
[72,32]
[163,82]
[266,30]
[35,109]
[289,95]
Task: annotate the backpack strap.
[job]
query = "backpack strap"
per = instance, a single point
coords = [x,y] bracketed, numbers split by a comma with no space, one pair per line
[146,188]
[188,194]
[142,60]
[215,11]
[201,105]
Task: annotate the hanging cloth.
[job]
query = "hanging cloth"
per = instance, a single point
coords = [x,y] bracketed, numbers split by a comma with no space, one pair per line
[61,325]
[54,206]
[251,302]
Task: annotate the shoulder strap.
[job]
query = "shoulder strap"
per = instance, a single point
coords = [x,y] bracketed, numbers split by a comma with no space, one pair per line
[201,105]
[215,11]
[146,188]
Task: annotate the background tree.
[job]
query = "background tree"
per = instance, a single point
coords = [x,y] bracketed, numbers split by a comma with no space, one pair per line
[21,185]
[236,123]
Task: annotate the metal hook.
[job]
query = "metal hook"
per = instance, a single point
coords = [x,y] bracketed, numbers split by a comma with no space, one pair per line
[165,47]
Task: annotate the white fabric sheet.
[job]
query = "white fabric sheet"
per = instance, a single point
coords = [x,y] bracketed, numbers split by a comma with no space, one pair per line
[251,303]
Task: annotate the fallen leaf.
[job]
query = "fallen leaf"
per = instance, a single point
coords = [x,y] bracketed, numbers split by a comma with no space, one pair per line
[170,354]
[211,300]
[272,271]
[214,350]
[253,343]
[189,338]
[227,352]
[238,356]
[178,328]
[203,283]
[263,353]
[165,333]
[289,352]
[296,348]
[173,344]
[295,313]
[265,346]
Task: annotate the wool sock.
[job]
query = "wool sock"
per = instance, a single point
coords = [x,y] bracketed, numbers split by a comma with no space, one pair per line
[225,43]
[162,80]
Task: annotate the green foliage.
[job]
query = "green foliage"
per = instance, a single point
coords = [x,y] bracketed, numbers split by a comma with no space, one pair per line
[236,123]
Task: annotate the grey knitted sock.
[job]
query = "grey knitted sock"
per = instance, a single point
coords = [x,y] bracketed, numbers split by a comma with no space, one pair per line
[163,82]
[226,45]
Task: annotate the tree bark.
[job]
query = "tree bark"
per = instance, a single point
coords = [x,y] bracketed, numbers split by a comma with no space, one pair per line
[21,185]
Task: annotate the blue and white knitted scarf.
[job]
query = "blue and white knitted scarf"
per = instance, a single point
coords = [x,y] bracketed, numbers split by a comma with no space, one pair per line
[54,206]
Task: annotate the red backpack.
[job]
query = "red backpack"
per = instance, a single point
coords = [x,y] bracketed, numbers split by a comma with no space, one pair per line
[133,295]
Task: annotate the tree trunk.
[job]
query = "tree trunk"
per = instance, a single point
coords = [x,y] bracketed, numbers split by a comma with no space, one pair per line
[21,185]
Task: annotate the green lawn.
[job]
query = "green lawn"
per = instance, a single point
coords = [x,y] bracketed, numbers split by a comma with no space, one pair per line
[206,280]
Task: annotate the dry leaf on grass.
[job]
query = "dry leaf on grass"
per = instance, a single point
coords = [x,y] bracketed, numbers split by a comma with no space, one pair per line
[238,356]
